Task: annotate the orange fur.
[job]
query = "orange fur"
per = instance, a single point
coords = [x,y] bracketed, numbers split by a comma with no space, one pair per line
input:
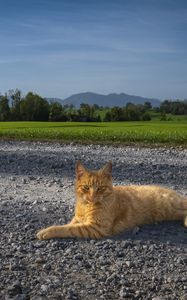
[103,209]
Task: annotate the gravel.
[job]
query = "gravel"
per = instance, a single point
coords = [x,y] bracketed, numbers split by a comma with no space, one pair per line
[37,190]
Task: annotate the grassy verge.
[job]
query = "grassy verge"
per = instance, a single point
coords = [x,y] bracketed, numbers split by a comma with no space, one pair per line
[148,133]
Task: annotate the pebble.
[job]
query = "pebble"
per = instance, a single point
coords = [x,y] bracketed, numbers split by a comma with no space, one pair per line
[14,289]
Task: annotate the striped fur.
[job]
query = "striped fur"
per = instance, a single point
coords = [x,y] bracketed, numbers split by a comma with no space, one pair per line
[103,209]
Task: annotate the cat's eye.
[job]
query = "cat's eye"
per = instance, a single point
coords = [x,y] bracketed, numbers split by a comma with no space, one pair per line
[85,187]
[100,188]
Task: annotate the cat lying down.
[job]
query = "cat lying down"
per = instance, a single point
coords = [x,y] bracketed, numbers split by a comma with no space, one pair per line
[104,210]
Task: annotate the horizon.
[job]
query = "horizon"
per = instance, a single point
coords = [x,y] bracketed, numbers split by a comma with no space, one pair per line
[60,48]
[122,93]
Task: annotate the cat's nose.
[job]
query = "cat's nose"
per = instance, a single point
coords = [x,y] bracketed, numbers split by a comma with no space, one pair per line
[91,197]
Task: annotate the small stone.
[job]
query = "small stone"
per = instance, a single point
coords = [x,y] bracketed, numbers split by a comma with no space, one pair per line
[169,280]
[72,295]
[47,267]
[15,289]
[137,294]
[120,254]
[123,293]
[32,178]
[44,288]
[78,256]
[39,260]
[128,263]
[39,298]
[20,297]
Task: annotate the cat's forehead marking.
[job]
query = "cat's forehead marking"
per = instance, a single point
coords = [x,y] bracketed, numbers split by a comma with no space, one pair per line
[94,181]
[92,178]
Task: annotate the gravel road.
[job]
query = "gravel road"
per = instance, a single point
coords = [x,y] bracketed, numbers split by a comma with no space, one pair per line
[37,190]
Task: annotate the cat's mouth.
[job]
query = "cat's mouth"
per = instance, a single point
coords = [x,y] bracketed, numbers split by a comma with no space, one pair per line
[92,200]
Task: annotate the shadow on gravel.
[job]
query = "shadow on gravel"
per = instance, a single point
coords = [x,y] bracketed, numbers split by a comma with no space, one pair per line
[63,165]
[164,232]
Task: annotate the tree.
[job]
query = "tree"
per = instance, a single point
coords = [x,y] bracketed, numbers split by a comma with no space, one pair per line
[108,117]
[96,107]
[133,114]
[146,117]
[87,112]
[147,105]
[141,108]
[56,112]
[98,118]
[15,96]
[34,108]
[4,108]
[163,116]
[117,113]
[165,106]
[177,107]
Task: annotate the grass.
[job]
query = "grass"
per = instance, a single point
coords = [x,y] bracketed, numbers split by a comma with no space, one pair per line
[146,133]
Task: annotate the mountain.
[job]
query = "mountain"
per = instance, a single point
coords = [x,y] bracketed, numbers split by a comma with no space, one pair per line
[107,100]
[54,100]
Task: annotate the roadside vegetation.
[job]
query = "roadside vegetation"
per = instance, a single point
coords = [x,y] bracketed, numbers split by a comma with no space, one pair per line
[32,107]
[34,118]
[148,133]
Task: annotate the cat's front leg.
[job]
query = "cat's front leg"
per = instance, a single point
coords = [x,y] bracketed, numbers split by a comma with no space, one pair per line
[73,230]
[54,231]
[50,232]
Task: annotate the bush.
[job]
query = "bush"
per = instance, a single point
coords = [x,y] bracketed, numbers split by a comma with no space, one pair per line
[146,117]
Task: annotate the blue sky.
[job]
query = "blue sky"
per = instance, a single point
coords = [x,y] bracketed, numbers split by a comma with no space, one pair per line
[60,47]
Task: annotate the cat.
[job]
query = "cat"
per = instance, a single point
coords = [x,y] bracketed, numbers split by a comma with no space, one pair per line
[104,210]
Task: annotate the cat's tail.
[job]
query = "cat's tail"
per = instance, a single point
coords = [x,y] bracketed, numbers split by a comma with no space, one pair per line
[185,210]
[182,207]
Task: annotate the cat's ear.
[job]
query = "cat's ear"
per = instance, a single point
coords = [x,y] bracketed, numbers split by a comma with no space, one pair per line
[107,170]
[79,169]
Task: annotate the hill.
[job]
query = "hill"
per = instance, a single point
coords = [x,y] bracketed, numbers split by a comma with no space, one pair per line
[107,100]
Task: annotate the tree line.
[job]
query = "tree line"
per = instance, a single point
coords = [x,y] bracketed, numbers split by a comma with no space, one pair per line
[33,107]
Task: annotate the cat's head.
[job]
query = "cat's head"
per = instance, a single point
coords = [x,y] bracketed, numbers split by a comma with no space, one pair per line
[93,186]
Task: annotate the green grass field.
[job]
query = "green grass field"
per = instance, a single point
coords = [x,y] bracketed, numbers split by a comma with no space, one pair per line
[148,133]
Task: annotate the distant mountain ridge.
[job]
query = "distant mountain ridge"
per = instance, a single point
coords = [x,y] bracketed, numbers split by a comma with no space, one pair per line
[109,100]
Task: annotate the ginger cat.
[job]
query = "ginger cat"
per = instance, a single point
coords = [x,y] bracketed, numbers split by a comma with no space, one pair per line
[104,210]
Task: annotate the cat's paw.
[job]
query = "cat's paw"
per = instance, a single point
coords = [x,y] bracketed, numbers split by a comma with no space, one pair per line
[45,234]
